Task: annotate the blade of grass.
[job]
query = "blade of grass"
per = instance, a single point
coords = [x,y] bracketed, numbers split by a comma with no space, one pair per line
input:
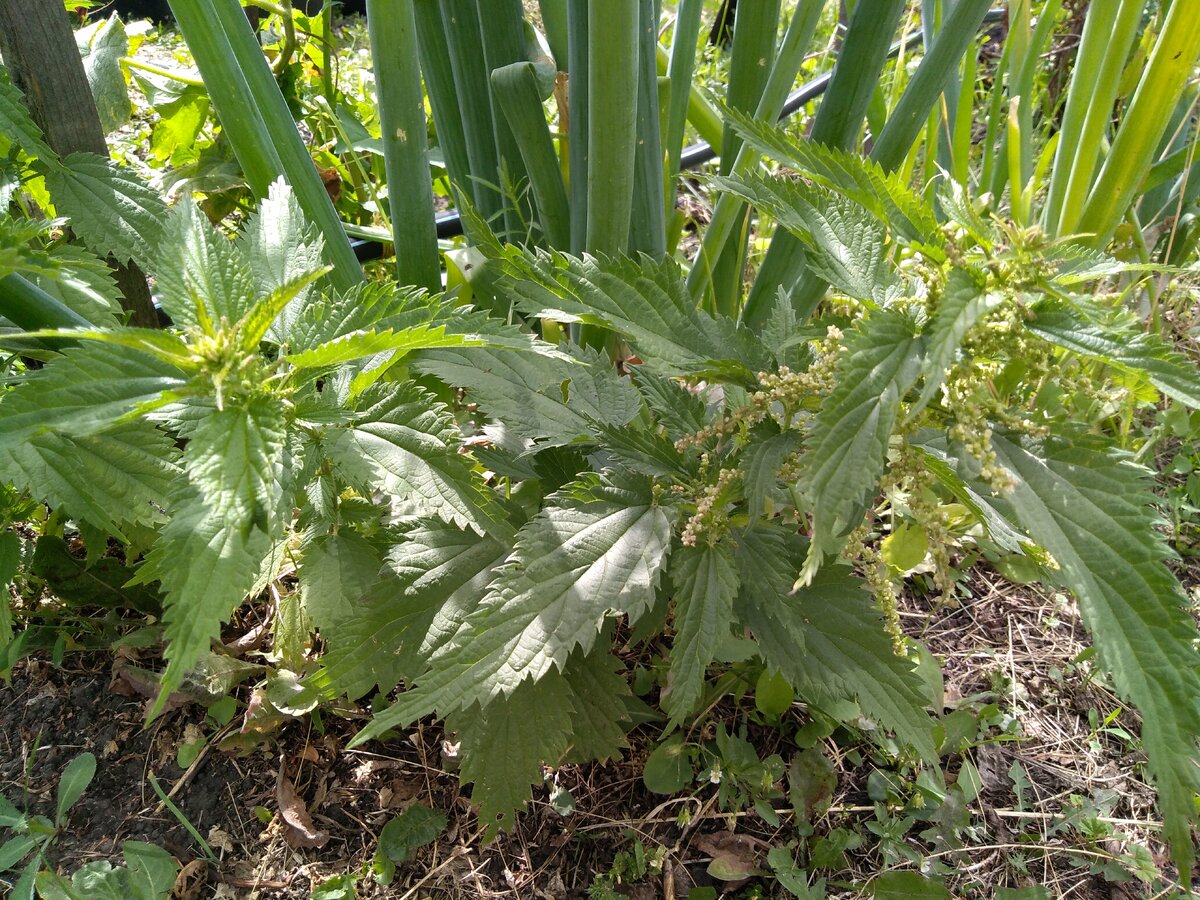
[393,34]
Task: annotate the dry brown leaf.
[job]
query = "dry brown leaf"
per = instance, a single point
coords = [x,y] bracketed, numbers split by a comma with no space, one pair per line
[299,830]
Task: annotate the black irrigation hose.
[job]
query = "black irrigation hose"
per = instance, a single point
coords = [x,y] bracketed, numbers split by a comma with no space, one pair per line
[450,225]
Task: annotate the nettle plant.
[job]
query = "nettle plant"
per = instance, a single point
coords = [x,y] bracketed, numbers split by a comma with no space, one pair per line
[732,484]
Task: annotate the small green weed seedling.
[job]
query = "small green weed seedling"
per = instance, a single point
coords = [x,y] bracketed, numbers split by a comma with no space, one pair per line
[32,835]
[148,874]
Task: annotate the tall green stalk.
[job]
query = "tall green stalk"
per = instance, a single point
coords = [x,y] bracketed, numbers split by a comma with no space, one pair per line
[243,50]
[578,113]
[1108,35]
[680,66]
[29,307]
[515,89]
[648,224]
[794,46]
[256,120]
[502,31]
[1171,65]
[838,121]
[465,46]
[935,74]
[393,31]
[613,37]
[443,97]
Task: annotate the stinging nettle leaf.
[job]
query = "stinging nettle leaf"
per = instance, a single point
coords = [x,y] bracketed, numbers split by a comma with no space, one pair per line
[202,276]
[103,45]
[595,550]
[645,300]
[1093,510]
[1138,351]
[117,477]
[503,755]
[85,390]
[110,208]
[364,344]
[963,304]
[848,440]
[827,638]
[17,125]
[235,457]
[847,246]
[282,247]
[441,573]
[407,444]
[887,195]
[706,582]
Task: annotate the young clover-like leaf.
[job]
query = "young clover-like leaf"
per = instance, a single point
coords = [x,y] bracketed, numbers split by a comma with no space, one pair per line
[644,300]
[827,638]
[202,276]
[407,444]
[439,573]
[1130,350]
[706,581]
[847,442]
[111,209]
[1093,511]
[503,755]
[847,246]
[595,550]
[85,390]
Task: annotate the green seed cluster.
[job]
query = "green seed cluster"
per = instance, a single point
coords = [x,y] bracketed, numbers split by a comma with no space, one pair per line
[781,394]
[867,559]
[708,520]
